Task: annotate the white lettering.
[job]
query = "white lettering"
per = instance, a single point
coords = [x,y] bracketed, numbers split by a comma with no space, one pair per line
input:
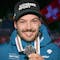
[26,5]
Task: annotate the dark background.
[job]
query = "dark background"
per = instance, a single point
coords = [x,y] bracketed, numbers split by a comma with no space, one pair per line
[7,6]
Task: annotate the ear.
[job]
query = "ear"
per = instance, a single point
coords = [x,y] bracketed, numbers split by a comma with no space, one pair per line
[15,24]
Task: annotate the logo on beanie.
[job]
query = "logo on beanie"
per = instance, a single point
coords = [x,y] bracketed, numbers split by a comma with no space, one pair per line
[26,5]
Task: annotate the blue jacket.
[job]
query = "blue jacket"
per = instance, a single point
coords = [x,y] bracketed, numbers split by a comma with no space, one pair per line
[48,50]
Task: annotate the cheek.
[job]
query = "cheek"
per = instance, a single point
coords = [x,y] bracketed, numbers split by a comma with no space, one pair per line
[21,27]
[36,26]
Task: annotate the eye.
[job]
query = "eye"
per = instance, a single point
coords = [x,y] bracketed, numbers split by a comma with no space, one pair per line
[22,21]
[35,20]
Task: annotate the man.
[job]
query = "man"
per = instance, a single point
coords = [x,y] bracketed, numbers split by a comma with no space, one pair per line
[30,40]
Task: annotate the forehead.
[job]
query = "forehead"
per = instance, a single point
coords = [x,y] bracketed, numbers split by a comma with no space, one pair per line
[29,16]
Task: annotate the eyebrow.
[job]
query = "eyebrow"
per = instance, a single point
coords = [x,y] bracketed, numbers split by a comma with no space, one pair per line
[37,18]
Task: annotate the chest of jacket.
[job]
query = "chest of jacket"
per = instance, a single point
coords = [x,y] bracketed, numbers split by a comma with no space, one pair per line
[45,52]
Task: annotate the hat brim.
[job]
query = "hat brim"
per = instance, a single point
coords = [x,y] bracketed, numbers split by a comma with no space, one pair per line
[27,11]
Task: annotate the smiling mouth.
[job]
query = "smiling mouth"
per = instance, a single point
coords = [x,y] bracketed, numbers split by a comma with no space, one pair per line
[28,34]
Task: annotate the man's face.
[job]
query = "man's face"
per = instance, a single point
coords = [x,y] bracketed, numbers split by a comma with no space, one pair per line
[28,27]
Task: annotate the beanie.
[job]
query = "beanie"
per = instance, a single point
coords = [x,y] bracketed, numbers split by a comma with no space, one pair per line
[26,7]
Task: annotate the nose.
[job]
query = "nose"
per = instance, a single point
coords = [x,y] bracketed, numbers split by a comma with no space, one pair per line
[29,25]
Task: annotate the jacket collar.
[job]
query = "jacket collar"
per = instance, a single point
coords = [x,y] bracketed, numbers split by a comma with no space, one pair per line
[45,39]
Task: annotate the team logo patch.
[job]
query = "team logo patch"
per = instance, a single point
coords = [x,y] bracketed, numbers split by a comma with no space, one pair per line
[49,51]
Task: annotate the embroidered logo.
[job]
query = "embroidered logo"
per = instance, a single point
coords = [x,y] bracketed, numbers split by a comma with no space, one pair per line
[45,56]
[26,5]
[49,51]
[13,56]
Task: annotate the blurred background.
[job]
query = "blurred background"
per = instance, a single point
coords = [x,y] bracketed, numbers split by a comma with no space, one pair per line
[50,9]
